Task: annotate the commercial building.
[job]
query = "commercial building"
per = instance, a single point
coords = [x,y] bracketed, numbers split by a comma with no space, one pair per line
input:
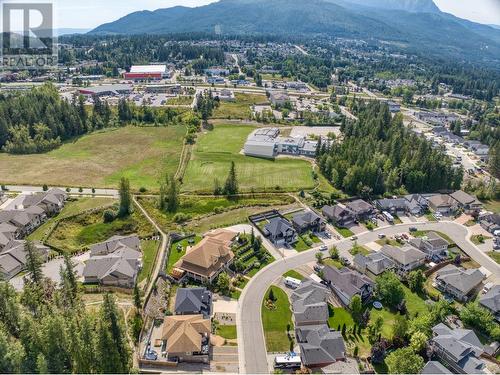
[147,73]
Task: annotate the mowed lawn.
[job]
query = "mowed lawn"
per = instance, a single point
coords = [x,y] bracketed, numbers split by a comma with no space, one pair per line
[275,322]
[100,159]
[214,151]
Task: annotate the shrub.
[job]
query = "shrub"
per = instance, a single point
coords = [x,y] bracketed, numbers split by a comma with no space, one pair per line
[108,216]
[45,187]
[80,189]
[68,189]
[181,217]
[142,189]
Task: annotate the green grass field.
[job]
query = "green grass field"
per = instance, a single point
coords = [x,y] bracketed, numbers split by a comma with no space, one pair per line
[294,274]
[178,249]
[70,208]
[240,109]
[214,151]
[100,159]
[149,250]
[78,232]
[275,322]
[228,332]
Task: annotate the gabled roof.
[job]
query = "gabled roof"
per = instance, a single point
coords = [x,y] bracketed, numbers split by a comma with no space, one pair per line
[441,200]
[390,203]
[306,218]
[463,280]
[464,198]
[374,262]
[279,226]
[184,333]
[337,212]
[491,299]
[350,282]
[403,255]
[434,367]
[359,206]
[115,243]
[193,300]
[309,302]
[320,345]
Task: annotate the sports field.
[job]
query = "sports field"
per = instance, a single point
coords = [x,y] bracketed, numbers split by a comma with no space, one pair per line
[100,159]
[214,151]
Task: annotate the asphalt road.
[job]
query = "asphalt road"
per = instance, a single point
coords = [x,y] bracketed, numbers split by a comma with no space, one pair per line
[251,342]
[74,191]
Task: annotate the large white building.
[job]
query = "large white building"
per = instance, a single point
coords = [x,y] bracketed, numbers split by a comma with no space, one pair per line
[266,143]
[148,72]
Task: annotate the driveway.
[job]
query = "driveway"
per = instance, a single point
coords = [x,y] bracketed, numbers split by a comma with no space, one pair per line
[51,270]
[251,343]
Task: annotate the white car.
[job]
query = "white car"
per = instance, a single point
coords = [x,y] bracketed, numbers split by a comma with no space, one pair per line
[323,248]
[381,235]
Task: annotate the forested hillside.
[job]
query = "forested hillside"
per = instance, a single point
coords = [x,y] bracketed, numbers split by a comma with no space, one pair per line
[378,155]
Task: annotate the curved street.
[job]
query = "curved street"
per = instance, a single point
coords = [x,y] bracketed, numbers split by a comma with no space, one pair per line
[251,342]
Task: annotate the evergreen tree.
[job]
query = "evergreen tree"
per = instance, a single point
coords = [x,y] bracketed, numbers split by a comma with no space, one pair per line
[231,185]
[172,195]
[125,197]
[33,263]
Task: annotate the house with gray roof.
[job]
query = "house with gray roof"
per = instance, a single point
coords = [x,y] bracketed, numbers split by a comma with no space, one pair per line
[459,349]
[309,220]
[339,215]
[13,257]
[26,220]
[457,282]
[347,283]
[407,258]
[193,301]
[375,263]
[115,262]
[280,231]
[395,206]
[490,222]
[51,201]
[466,201]
[435,367]
[8,232]
[319,345]
[491,301]
[431,244]
[417,204]
[362,210]
[309,303]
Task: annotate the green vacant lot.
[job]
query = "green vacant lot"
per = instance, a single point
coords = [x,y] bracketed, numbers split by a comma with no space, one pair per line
[100,159]
[240,109]
[214,151]
[149,250]
[71,208]
[275,321]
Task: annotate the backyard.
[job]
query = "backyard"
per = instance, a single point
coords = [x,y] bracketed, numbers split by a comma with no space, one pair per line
[276,321]
[214,151]
[100,159]
[178,249]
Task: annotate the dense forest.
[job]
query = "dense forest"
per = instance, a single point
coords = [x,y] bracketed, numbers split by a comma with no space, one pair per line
[40,120]
[47,329]
[379,155]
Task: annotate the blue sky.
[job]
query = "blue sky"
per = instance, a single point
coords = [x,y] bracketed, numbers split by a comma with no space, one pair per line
[91,13]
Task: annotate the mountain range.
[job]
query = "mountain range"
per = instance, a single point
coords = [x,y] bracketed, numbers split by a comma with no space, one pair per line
[414,25]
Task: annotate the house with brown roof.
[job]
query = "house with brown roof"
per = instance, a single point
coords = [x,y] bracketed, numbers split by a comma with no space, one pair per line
[205,260]
[466,201]
[442,203]
[186,338]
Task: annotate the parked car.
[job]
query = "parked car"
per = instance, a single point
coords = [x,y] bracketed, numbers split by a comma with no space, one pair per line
[413,229]
[317,268]
[381,235]
[323,248]
[354,238]
[151,355]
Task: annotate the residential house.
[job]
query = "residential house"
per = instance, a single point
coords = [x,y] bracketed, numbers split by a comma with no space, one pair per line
[51,201]
[459,283]
[434,367]
[459,349]
[8,232]
[395,206]
[490,222]
[491,301]
[442,203]
[339,215]
[407,258]
[13,257]
[347,283]
[432,244]
[186,338]
[466,201]
[362,210]
[280,231]
[309,303]
[193,301]
[21,219]
[205,260]
[319,345]
[115,262]
[417,204]
[309,220]
[376,263]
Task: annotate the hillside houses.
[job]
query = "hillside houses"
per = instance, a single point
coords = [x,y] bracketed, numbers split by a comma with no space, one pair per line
[459,283]
[13,257]
[309,303]
[347,283]
[491,301]
[407,258]
[432,244]
[115,262]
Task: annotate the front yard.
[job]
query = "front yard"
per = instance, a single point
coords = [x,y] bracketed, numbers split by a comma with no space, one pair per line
[276,321]
[344,232]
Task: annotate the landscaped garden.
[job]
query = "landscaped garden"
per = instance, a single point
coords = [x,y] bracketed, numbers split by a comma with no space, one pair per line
[277,320]
[214,151]
[178,249]
[250,255]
